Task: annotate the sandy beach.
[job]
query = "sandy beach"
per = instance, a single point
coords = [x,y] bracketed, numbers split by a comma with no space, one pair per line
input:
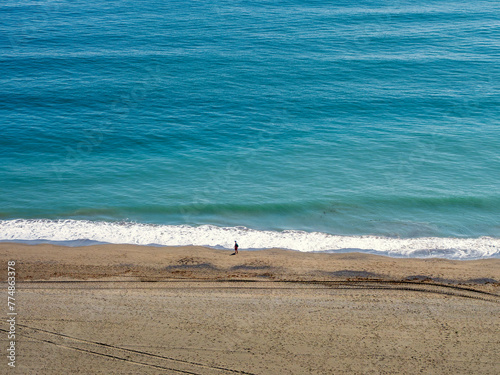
[123,309]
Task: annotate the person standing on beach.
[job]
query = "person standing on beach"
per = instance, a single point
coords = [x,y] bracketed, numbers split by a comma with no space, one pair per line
[236,247]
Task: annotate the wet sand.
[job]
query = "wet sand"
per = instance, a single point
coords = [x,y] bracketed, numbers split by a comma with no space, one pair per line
[113,309]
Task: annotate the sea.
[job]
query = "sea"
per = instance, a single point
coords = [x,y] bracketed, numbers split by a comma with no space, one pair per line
[368,126]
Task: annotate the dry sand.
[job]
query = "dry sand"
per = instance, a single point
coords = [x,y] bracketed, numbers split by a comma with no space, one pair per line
[120,309]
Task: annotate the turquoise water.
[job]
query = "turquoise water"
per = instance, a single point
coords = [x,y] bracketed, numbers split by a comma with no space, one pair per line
[352,119]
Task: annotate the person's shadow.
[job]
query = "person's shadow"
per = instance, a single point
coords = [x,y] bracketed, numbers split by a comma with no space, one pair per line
[233,254]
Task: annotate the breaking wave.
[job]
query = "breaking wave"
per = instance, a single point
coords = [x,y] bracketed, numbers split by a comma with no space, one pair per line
[67,231]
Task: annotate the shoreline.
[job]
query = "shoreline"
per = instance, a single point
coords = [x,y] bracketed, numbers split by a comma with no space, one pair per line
[76,232]
[88,243]
[46,261]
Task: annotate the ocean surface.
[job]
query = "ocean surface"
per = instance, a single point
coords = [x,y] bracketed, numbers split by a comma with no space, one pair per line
[369,125]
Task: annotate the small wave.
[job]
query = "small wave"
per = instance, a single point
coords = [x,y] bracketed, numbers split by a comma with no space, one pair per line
[57,231]
[208,208]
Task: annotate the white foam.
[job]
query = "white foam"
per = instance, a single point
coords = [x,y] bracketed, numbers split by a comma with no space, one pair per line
[208,235]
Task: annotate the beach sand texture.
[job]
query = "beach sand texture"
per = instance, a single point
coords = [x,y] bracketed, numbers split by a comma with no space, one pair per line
[113,309]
